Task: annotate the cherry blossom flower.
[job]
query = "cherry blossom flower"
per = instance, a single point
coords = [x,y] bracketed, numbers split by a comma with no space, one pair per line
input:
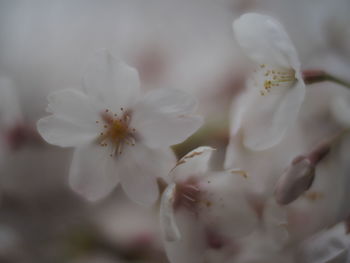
[276,90]
[315,184]
[120,135]
[198,209]
[206,215]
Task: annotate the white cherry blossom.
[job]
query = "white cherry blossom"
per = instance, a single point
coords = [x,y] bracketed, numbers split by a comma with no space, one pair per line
[120,135]
[204,213]
[276,90]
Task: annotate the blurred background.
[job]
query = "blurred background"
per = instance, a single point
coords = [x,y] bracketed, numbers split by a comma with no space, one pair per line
[185,44]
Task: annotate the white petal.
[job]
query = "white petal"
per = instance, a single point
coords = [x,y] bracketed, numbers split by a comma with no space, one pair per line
[196,162]
[192,245]
[276,223]
[229,212]
[10,111]
[63,133]
[340,109]
[165,159]
[162,118]
[234,152]
[237,110]
[330,246]
[170,101]
[270,116]
[340,159]
[140,168]
[264,40]
[93,172]
[167,220]
[74,106]
[112,82]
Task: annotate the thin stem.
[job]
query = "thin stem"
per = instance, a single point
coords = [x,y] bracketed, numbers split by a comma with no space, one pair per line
[337,80]
[315,76]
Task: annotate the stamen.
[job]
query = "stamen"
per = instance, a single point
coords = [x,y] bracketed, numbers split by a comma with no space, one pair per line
[283,78]
[189,198]
[116,131]
[193,187]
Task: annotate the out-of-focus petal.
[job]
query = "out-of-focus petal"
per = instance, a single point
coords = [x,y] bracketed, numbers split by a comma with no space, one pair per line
[270,116]
[196,162]
[169,101]
[112,82]
[237,110]
[140,168]
[162,118]
[73,106]
[192,245]
[167,219]
[64,133]
[93,172]
[330,246]
[340,156]
[276,223]
[264,40]
[225,205]
[340,108]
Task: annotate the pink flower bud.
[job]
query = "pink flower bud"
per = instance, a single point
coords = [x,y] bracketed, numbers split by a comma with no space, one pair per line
[295,180]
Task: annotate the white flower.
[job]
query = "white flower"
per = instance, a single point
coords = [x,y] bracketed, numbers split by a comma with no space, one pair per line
[274,94]
[204,212]
[194,164]
[120,135]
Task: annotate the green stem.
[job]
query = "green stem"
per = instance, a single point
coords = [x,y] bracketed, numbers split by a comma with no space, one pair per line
[337,80]
[316,76]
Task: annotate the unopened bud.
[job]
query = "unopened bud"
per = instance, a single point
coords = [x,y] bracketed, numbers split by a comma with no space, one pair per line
[295,180]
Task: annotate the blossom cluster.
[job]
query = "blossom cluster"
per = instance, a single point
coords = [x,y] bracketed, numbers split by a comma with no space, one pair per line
[283,185]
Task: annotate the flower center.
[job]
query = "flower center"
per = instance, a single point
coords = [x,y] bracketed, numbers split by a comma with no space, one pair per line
[276,78]
[116,131]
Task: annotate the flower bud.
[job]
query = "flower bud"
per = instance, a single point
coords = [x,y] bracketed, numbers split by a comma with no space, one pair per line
[295,180]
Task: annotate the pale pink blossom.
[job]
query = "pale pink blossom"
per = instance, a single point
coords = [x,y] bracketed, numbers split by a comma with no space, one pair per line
[270,104]
[120,135]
